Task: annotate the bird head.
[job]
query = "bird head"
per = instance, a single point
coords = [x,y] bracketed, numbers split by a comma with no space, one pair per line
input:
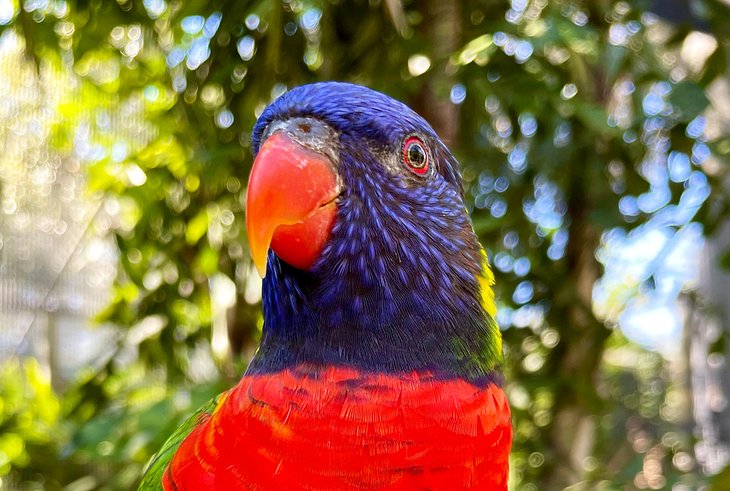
[356,219]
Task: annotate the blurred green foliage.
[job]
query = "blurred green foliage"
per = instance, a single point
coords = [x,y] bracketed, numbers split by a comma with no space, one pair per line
[30,415]
[560,113]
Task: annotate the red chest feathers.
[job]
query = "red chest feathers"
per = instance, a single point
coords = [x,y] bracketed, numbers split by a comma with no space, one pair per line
[341,429]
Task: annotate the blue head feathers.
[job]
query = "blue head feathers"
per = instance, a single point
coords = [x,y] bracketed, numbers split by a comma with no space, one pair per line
[358,111]
[398,284]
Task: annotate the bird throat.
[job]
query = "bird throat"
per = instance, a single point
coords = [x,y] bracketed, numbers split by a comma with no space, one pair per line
[390,328]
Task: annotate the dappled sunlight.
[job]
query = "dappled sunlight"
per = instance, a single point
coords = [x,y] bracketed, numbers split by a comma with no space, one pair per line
[593,141]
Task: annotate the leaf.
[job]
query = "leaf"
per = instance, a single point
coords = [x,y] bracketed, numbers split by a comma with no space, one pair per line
[207,261]
[197,227]
[614,58]
[721,481]
[482,45]
[689,100]
[595,118]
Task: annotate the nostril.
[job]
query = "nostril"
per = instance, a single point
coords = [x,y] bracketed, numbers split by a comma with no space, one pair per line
[304,127]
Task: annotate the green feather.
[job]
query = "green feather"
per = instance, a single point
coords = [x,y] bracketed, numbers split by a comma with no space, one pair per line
[152,480]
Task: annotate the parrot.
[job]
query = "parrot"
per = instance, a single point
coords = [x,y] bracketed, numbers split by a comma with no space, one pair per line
[379,365]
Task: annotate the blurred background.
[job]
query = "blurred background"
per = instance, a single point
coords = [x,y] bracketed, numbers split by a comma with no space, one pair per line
[594,138]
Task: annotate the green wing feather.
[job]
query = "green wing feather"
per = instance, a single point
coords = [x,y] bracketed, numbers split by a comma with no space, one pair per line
[152,479]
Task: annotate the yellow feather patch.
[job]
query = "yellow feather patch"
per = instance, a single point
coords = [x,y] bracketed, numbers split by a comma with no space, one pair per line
[486,280]
[221,399]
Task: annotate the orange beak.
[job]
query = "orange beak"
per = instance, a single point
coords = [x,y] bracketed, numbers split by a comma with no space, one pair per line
[290,204]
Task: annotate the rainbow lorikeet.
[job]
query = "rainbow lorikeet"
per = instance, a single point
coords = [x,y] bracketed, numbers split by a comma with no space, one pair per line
[378,368]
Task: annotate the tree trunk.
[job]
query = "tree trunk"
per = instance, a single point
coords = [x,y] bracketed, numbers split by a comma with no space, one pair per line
[572,434]
[709,338]
[442,26]
[709,322]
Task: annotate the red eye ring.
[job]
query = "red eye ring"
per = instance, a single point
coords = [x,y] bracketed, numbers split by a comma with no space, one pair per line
[415,155]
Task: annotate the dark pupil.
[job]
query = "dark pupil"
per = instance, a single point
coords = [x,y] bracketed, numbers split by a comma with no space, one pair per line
[416,155]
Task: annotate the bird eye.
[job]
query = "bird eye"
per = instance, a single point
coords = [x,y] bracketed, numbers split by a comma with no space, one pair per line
[415,155]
